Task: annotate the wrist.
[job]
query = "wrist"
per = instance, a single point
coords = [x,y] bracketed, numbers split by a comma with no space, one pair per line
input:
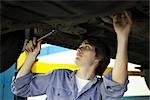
[31,57]
[122,37]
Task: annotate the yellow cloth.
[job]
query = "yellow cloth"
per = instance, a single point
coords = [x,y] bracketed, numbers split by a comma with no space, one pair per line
[42,67]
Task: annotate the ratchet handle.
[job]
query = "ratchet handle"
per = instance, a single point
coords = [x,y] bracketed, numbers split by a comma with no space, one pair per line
[48,34]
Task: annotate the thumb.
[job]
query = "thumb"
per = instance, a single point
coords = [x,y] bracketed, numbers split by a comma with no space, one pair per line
[39,45]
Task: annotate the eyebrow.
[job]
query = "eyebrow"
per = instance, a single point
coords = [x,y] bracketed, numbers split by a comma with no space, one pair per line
[87,43]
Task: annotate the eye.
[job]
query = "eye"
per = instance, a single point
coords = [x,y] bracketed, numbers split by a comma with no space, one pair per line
[87,47]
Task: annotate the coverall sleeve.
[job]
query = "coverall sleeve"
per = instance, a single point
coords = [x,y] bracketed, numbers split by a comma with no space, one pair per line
[111,90]
[30,85]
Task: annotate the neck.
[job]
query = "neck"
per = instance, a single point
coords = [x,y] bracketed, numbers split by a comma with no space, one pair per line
[86,73]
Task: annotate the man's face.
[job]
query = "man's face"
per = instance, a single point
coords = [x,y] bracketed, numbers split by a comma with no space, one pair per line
[85,54]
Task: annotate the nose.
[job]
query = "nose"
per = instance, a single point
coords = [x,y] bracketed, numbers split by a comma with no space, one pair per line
[80,49]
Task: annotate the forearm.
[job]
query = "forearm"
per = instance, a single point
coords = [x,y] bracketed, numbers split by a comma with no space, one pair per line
[26,66]
[119,73]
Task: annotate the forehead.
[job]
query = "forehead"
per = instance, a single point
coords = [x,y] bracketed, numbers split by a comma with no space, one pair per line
[87,42]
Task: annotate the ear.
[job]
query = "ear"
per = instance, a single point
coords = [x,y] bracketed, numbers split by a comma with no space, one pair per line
[96,61]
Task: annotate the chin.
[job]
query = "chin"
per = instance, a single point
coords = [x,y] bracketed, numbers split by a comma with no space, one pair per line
[77,61]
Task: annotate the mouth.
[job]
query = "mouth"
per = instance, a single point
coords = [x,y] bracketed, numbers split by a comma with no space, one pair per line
[78,55]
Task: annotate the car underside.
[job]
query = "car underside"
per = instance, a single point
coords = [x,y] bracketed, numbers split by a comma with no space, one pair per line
[72,20]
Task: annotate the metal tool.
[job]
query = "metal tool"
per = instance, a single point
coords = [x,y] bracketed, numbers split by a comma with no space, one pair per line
[48,34]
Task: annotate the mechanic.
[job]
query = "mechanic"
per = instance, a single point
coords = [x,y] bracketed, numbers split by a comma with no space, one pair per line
[84,84]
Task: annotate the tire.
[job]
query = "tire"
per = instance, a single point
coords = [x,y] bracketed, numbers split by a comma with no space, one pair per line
[146,76]
[11,47]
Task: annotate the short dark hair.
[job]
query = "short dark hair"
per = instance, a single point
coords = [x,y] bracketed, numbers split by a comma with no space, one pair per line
[102,51]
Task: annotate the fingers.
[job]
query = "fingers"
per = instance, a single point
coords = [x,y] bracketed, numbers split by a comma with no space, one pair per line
[34,41]
[121,19]
[33,44]
[29,46]
[128,17]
